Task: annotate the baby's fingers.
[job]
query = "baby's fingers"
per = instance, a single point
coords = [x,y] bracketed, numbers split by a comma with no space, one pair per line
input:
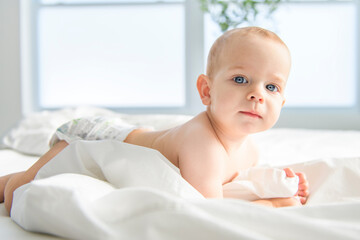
[303,186]
[302,177]
[302,200]
[289,172]
[303,191]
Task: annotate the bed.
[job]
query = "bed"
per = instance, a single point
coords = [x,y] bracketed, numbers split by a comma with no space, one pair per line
[331,160]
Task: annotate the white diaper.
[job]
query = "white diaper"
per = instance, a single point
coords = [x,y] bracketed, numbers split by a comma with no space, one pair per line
[92,128]
[261,182]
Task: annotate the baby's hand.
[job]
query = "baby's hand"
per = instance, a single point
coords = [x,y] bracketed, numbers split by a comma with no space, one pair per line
[279,202]
[303,189]
[285,202]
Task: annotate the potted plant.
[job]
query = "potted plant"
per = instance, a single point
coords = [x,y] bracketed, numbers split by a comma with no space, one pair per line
[231,13]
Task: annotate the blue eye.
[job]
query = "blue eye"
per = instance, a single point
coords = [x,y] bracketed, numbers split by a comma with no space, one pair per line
[240,79]
[272,88]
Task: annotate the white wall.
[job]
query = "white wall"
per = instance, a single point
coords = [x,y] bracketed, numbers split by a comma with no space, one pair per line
[10,88]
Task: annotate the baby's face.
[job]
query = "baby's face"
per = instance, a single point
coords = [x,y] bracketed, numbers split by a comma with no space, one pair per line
[247,88]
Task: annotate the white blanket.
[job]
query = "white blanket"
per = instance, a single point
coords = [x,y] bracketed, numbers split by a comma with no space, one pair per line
[89,191]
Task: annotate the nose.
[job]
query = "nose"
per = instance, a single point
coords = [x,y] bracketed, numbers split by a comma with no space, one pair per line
[256,96]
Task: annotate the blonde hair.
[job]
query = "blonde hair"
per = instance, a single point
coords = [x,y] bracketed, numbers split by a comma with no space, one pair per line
[222,41]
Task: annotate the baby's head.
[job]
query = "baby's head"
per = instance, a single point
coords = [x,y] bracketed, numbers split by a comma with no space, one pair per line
[226,43]
[245,80]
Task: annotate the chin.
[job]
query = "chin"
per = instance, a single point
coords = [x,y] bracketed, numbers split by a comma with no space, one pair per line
[246,130]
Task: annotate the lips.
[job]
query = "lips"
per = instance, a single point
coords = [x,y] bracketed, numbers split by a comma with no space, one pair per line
[251,114]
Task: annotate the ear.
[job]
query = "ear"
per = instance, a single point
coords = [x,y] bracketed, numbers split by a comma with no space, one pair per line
[203,87]
[283,102]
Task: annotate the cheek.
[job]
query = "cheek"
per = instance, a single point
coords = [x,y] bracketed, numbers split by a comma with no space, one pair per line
[224,98]
[274,110]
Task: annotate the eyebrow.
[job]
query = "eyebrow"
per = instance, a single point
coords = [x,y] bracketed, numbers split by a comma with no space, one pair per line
[278,77]
[236,67]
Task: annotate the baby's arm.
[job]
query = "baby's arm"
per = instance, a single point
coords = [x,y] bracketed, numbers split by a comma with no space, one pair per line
[201,163]
[21,178]
[204,174]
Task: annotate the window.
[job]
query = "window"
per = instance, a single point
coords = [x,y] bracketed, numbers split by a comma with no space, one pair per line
[115,54]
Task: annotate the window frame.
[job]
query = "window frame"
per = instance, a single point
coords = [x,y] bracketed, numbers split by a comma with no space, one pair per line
[303,117]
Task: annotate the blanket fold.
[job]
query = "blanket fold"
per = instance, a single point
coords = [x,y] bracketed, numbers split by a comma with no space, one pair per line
[120,164]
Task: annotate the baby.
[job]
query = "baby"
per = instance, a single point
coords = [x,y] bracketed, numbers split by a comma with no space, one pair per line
[243,90]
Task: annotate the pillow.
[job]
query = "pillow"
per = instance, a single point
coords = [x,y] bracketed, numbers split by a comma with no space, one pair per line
[33,133]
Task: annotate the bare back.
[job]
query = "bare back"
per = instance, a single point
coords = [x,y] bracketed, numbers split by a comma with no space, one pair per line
[196,150]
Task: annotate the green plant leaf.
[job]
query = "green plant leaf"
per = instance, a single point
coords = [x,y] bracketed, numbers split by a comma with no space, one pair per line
[231,13]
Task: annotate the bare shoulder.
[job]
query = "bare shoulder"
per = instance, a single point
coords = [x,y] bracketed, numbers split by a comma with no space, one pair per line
[202,157]
[199,132]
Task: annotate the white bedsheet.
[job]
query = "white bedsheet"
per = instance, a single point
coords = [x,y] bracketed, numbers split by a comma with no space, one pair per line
[151,201]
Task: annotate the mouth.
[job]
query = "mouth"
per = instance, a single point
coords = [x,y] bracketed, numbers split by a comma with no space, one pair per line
[251,114]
